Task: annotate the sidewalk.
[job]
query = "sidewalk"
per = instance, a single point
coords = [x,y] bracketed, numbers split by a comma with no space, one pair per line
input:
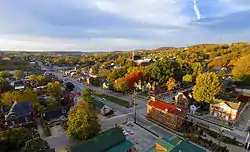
[40,128]
[231,132]
[230,147]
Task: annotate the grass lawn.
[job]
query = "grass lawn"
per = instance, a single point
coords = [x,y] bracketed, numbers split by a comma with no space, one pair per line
[144,94]
[114,100]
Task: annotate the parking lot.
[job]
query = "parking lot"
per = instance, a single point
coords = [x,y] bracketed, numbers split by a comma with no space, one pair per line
[243,120]
[142,139]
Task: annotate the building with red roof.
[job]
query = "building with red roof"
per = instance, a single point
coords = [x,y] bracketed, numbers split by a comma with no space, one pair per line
[166,114]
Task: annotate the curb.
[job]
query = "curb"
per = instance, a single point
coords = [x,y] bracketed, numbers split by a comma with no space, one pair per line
[163,126]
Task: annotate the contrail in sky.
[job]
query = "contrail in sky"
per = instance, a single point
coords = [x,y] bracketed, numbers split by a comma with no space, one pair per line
[196,9]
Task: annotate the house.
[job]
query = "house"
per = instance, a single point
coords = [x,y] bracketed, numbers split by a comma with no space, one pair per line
[105,85]
[102,108]
[75,96]
[183,99]
[111,140]
[17,85]
[144,62]
[175,144]
[134,57]
[20,114]
[225,110]
[56,115]
[138,85]
[165,113]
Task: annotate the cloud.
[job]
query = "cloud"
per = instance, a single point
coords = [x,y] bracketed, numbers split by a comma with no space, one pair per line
[163,12]
[95,44]
[97,25]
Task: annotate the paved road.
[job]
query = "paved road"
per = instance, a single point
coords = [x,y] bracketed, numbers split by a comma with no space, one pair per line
[122,112]
[141,111]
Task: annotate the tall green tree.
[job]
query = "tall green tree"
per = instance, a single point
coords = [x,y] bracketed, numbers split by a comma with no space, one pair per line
[13,140]
[121,84]
[162,70]
[187,79]
[41,79]
[115,74]
[3,84]
[87,95]
[197,68]
[120,61]
[36,145]
[241,70]
[207,86]
[19,74]
[9,97]
[104,72]
[28,95]
[32,77]
[4,74]
[82,122]
[55,89]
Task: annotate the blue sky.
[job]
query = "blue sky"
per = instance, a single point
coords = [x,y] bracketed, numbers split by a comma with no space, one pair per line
[105,25]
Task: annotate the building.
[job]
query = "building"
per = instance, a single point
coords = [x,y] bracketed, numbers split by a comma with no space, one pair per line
[182,100]
[144,62]
[225,110]
[111,140]
[102,108]
[175,144]
[20,114]
[135,57]
[166,114]
[105,85]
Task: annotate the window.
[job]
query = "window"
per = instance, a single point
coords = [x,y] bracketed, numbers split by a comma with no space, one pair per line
[26,119]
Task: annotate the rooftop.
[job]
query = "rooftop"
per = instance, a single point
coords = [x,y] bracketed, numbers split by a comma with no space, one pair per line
[243,98]
[166,107]
[111,140]
[176,144]
[74,94]
[143,61]
[18,109]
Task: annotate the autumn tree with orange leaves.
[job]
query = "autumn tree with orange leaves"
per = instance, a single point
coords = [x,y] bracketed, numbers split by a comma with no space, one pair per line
[132,78]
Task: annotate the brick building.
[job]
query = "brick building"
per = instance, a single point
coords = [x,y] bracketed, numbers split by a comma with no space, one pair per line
[166,114]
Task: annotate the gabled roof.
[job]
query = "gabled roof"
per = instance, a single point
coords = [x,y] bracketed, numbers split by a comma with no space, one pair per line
[53,113]
[103,142]
[19,109]
[232,105]
[166,107]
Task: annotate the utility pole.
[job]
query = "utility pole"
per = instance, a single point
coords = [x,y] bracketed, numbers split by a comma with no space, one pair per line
[134,100]
[247,137]
[221,135]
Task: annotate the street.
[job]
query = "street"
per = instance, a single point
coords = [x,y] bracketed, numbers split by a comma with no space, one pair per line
[121,115]
[122,112]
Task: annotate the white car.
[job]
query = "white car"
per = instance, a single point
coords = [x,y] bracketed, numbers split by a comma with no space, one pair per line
[125,132]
